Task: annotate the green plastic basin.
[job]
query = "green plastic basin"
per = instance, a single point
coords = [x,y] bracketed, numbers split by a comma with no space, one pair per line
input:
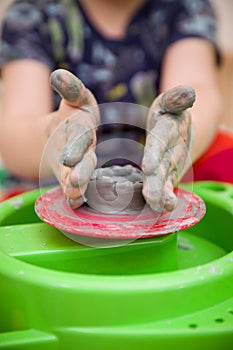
[167,292]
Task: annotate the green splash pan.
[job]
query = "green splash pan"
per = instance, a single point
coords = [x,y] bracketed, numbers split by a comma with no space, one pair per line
[171,292]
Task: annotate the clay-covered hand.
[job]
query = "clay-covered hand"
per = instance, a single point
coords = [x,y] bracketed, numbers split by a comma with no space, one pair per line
[167,148]
[73,142]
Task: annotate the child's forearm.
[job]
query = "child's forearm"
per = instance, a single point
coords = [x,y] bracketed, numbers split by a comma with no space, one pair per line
[22,143]
[206,117]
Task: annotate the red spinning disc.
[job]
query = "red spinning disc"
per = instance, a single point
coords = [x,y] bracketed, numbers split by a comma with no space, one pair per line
[52,208]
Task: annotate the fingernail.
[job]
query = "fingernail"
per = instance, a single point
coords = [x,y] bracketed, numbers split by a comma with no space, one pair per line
[178,99]
[65,84]
[76,203]
[170,202]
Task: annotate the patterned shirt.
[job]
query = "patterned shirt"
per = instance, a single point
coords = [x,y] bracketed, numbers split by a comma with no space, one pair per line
[60,34]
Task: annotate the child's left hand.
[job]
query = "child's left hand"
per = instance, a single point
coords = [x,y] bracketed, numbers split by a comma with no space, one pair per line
[167,148]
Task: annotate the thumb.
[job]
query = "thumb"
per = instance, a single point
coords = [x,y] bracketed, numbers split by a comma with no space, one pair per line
[72,90]
[177,99]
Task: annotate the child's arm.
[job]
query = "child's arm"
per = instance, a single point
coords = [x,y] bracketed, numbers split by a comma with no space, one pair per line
[193,62]
[27,123]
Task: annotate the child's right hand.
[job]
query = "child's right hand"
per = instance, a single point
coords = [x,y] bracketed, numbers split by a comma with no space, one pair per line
[75,139]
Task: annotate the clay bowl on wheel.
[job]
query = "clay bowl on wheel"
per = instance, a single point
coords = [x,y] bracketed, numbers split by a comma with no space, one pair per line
[116,189]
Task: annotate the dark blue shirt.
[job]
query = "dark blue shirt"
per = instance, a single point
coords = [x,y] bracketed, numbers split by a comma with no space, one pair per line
[60,35]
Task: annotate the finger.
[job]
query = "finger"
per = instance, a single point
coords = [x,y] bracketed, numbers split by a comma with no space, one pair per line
[158,188]
[72,90]
[179,160]
[75,197]
[169,197]
[158,142]
[153,186]
[81,173]
[168,131]
[173,101]
[177,99]
[178,165]
[77,145]
[76,203]
[159,195]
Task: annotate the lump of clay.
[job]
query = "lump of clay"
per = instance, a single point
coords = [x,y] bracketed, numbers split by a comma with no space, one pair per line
[116,189]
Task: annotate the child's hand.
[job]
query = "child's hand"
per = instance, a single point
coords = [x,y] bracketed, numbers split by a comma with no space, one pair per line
[75,139]
[167,146]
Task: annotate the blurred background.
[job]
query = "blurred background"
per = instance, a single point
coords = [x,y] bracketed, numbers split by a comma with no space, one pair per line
[224,10]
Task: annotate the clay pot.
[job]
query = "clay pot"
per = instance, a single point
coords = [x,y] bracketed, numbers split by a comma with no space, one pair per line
[116,189]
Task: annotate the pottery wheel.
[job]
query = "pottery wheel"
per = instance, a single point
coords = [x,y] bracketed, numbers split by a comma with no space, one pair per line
[52,208]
